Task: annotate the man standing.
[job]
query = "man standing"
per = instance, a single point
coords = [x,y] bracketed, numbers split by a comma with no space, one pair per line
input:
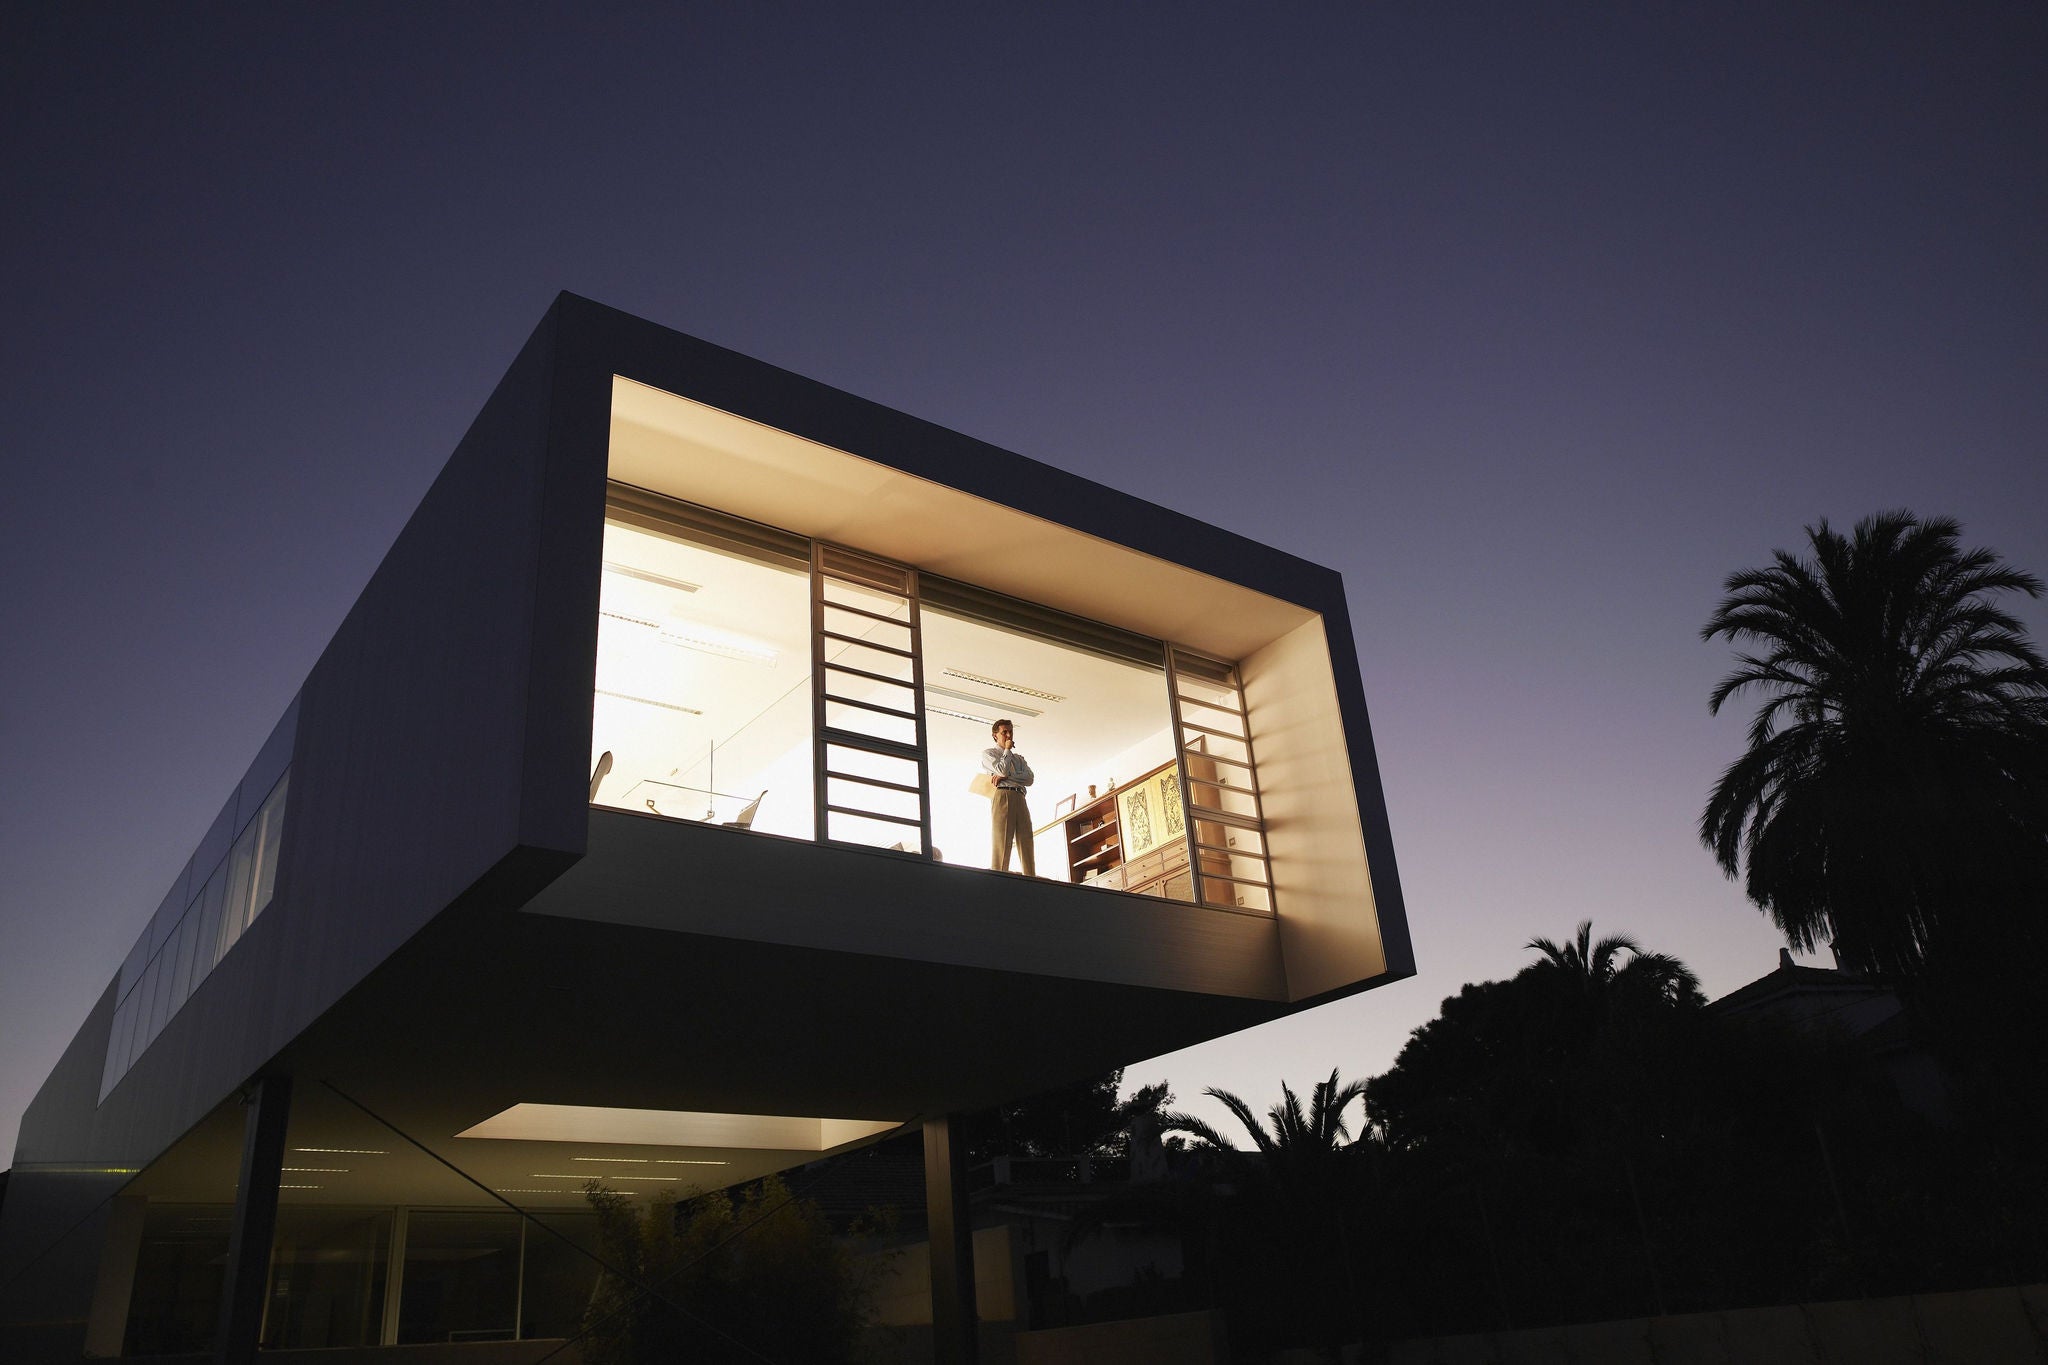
[1011,818]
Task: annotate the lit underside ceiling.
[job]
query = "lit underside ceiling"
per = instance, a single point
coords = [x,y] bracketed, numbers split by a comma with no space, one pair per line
[673,1128]
[533,1156]
[684,449]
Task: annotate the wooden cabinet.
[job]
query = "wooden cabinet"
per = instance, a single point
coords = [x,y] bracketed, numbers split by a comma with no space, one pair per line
[1094,845]
[1096,851]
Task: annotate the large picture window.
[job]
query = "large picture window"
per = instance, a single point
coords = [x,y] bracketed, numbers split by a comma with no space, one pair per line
[751,678]
[1089,715]
[703,702]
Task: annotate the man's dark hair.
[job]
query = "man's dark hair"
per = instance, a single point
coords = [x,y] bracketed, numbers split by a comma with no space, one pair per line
[1002,724]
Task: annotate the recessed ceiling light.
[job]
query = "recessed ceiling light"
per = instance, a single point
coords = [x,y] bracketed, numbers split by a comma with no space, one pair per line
[995,704]
[931,710]
[345,1151]
[987,681]
[649,701]
[710,639]
[649,576]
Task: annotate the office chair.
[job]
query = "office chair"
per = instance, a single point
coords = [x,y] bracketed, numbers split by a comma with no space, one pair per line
[745,819]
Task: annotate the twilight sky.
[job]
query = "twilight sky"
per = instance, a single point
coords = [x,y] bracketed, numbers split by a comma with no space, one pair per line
[1533,324]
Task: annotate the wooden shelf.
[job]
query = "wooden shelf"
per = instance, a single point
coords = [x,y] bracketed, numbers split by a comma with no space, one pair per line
[1106,851]
[1095,848]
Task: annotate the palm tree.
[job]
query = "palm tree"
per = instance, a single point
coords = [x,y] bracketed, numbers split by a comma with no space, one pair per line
[1297,1190]
[1301,1143]
[1595,972]
[1893,799]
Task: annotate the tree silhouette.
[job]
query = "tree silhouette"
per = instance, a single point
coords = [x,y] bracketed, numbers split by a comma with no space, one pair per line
[1300,1144]
[1893,798]
[1596,971]
[1293,1278]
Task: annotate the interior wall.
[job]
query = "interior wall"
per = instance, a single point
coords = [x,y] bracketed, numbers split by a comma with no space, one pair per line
[1322,887]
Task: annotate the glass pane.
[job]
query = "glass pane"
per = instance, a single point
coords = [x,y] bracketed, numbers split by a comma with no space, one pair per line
[864,796]
[207,914]
[1214,796]
[241,878]
[859,720]
[138,958]
[841,758]
[160,969]
[861,829]
[1236,896]
[327,1277]
[271,822]
[1229,838]
[853,654]
[175,1304]
[1229,753]
[1090,725]
[888,634]
[233,913]
[1233,865]
[560,1277]
[703,682]
[186,944]
[461,1277]
[1226,722]
[897,696]
[117,1045]
[135,1036]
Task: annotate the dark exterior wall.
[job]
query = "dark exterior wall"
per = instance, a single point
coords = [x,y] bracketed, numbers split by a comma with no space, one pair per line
[410,775]
[412,772]
[1389,904]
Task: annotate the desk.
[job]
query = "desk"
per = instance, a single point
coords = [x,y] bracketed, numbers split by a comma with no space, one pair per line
[675,801]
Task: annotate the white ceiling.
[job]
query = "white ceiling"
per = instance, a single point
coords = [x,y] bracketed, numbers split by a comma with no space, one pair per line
[687,450]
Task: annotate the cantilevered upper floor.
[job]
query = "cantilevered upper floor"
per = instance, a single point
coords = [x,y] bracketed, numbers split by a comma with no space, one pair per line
[640,777]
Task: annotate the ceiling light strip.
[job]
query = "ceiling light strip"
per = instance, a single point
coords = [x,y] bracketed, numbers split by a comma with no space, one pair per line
[649,576]
[996,703]
[931,710]
[1001,685]
[345,1151]
[649,701]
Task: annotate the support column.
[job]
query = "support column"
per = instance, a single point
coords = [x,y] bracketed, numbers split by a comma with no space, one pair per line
[267,1109]
[955,1331]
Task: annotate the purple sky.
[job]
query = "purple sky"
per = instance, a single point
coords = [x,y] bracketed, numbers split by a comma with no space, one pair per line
[1533,325]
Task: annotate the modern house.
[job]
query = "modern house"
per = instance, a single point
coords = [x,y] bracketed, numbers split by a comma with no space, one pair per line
[624,830]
